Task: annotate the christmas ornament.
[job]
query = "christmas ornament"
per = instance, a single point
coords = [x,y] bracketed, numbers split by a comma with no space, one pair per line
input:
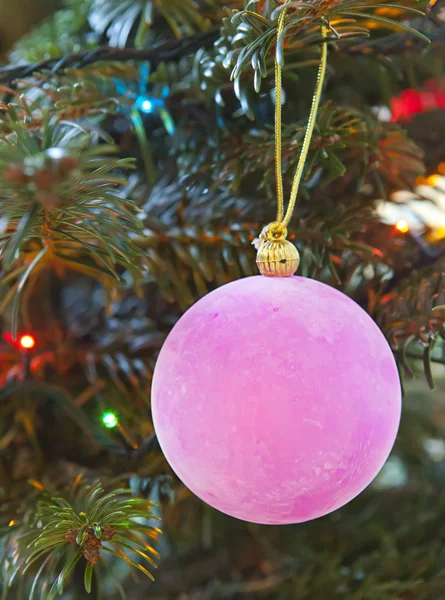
[276,399]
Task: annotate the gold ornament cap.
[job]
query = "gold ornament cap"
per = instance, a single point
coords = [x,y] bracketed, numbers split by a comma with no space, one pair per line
[276,257]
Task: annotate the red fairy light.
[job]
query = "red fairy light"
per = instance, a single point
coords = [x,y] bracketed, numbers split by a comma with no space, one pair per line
[27,342]
[24,342]
[411,102]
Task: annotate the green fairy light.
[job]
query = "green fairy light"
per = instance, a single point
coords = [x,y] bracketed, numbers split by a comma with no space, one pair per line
[110,420]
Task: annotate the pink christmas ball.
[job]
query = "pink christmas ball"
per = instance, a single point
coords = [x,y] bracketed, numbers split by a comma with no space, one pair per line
[276,400]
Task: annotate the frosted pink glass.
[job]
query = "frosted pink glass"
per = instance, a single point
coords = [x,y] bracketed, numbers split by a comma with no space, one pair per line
[276,400]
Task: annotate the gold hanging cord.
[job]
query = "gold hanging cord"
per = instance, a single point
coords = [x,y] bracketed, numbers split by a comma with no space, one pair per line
[277,257]
[282,218]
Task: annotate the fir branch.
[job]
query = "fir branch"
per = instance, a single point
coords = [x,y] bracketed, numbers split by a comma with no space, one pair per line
[59,194]
[109,354]
[253,31]
[175,50]
[83,522]
[117,18]
[65,98]
[412,316]
[172,50]
[60,34]
[348,143]
[397,43]
[204,237]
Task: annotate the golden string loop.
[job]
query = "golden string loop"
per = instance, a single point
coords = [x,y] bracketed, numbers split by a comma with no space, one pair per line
[276,232]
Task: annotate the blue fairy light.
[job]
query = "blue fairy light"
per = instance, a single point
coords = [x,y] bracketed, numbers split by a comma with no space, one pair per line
[149,104]
[146,106]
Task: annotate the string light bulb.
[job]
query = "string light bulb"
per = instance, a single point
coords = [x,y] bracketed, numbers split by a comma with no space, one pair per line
[110,420]
[27,342]
[147,106]
[402,226]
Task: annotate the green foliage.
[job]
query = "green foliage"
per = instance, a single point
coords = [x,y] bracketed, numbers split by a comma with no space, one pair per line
[117,18]
[345,140]
[59,35]
[187,263]
[59,204]
[256,29]
[106,363]
[74,94]
[205,238]
[382,547]
[413,317]
[85,522]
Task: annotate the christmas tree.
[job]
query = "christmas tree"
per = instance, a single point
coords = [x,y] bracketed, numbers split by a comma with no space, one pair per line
[141,143]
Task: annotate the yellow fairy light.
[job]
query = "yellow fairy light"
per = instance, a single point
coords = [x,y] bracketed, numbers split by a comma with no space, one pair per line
[402,226]
[435,235]
[433,180]
[11,523]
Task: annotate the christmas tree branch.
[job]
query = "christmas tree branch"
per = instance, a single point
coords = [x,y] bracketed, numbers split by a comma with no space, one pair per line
[81,523]
[168,51]
[174,50]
